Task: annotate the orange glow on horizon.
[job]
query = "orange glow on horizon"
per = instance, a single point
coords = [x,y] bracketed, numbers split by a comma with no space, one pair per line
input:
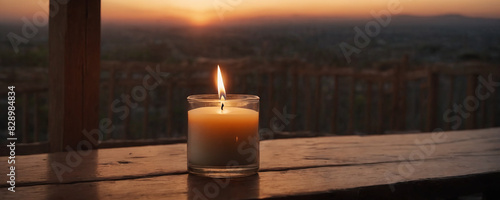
[202,12]
[200,19]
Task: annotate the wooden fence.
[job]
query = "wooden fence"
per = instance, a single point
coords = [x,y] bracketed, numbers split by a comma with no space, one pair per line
[395,98]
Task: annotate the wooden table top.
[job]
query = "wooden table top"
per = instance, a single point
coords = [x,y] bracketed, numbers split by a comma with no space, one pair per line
[420,165]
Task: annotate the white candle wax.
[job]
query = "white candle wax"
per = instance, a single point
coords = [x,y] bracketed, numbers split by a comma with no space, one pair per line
[223,137]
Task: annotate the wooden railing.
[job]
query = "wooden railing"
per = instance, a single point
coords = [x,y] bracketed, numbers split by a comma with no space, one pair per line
[329,100]
[30,103]
[391,86]
[335,100]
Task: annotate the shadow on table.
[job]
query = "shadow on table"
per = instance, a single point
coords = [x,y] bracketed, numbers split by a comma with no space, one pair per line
[63,167]
[203,188]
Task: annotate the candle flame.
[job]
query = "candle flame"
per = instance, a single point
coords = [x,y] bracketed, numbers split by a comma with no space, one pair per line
[220,85]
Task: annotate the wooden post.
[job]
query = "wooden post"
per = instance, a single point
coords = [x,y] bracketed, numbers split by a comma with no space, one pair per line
[126,121]
[492,112]
[368,107]
[398,118]
[74,57]
[307,92]
[270,92]
[335,103]
[450,97]
[145,119]
[432,86]
[35,117]
[170,112]
[259,83]
[395,98]
[483,114]
[295,80]
[350,124]
[402,94]
[380,107]
[318,103]
[111,95]
[422,87]
[484,106]
[470,123]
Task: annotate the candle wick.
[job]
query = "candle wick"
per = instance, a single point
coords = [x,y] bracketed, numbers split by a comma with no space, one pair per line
[222,106]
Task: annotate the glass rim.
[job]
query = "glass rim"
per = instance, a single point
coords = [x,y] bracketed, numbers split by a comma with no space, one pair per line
[215,98]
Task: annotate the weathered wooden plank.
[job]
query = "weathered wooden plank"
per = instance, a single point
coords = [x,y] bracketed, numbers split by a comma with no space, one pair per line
[291,184]
[118,163]
[466,172]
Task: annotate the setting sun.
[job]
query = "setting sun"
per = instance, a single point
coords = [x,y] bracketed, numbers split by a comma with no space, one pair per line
[200,19]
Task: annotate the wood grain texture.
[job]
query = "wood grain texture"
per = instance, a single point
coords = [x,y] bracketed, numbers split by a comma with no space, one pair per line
[325,167]
[74,46]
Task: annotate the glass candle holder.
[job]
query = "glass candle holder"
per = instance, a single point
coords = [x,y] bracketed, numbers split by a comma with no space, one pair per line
[223,140]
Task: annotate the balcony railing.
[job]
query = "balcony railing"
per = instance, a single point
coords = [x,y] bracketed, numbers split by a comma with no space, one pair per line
[323,100]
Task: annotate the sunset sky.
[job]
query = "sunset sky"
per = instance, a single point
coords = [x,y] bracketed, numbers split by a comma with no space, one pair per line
[201,12]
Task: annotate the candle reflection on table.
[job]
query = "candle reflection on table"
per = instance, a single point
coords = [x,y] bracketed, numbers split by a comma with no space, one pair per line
[203,188]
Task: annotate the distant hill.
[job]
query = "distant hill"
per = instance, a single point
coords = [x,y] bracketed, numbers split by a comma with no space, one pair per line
[444,20]
[439,20]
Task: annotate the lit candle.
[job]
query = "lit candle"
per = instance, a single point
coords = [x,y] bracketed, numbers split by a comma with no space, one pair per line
[223,137]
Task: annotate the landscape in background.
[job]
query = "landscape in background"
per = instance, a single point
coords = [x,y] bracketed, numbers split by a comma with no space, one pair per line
[277,58]
[446,38]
